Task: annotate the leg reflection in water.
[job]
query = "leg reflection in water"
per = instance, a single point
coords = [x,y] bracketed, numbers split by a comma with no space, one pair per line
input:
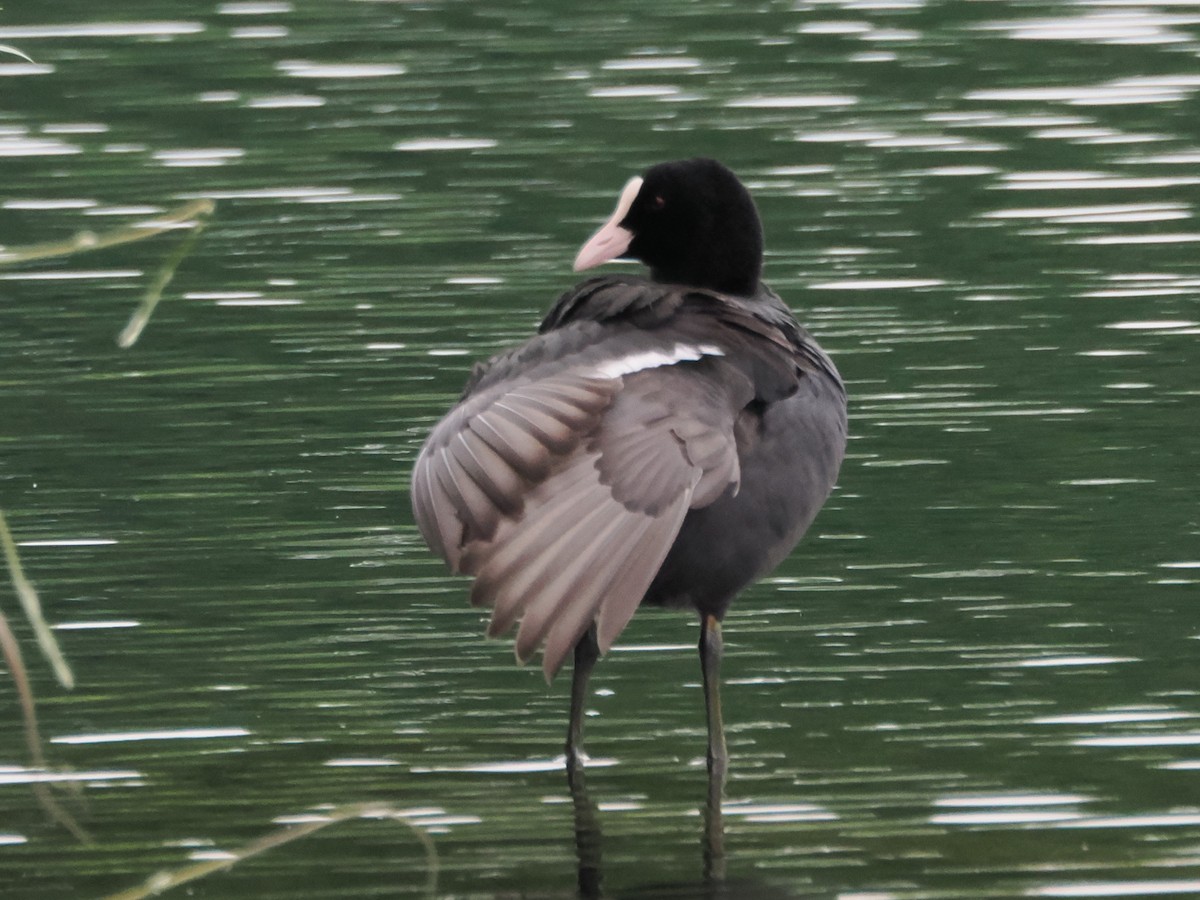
[587,832]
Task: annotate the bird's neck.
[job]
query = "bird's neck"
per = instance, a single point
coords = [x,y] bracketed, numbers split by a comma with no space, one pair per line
[743,282]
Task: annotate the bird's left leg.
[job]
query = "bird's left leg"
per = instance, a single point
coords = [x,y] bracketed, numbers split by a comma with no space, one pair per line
[718,758]
[710,666]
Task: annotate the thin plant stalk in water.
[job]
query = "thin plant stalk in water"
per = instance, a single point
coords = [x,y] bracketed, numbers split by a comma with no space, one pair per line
[13,51]
[164,881]
[11,652]
[192,216]
[141,316]
[33,608]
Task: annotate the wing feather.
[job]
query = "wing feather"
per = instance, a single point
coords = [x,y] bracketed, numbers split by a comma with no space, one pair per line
[556,436]
[577,576]
[518,448]
[502,484]
[470,501]
[433,518]
[551,537]
[624,594]
[569,624]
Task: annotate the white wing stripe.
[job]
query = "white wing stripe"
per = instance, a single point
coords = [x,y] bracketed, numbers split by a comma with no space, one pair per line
[653,359]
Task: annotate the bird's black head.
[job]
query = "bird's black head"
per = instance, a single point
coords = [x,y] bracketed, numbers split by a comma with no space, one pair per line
[692,222]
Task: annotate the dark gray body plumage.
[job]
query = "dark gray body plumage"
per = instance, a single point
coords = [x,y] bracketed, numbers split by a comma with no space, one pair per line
[653,443]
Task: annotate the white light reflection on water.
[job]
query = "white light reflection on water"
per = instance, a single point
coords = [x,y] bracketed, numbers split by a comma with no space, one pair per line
[1030,811]
[516,766]
[1102,482]
[433,818]
[100,30]
[1183,739]
[259,33]
[777,813]
[1089,181]
[650,648]
[1094,889]
[875,284]
[635,91]
[47,204]
[1119,27]
[1150,284]
[791,101]
[1155,326]
[418,145]
[285,101]
[1116,212]
[1113,717]
[72,275]
[69,542]
[300,68]
[845,136]
[972,801]
[214,156]
[177,734]
[259,301]
[25,146]
[1125,240]
[937,142]
[1120,91]
[299,193]
[1003,817]
[651,63]
[1176,819]
[1071,661]
[620,806]
[254,8]
[16,70]
[1096,136]
[99,778]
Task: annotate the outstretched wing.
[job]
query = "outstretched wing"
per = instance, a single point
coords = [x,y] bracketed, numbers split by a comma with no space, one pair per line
[562,490]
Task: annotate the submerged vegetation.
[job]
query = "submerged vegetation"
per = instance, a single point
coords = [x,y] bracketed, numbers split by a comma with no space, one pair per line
[164,881]
[192,216]
[14,660]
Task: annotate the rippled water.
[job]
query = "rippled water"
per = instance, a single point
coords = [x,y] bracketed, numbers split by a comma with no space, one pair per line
[976,678]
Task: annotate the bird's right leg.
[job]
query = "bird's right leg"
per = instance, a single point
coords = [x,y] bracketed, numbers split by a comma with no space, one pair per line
[587,826]
[587,651]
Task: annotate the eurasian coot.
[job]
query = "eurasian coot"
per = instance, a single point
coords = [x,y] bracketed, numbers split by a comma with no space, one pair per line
[664,440]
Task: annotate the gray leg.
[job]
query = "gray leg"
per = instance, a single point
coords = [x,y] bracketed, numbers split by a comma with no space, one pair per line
[718,757]
[710,665]
[587,651]
[587,826]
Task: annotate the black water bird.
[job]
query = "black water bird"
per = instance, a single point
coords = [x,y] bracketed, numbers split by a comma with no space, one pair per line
[663,441]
